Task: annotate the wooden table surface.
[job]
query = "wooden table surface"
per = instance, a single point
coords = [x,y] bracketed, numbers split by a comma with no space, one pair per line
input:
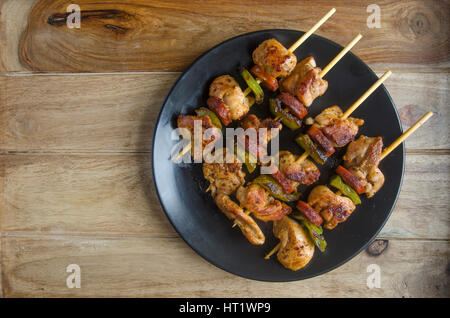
[77,113]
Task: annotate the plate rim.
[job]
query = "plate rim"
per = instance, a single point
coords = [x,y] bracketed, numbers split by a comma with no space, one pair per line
[353,255]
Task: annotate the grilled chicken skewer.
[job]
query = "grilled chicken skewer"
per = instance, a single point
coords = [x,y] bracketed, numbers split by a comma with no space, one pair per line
[338,127]
[333,207]
[229,102]
[331,128]
[306,80]
[225,179]
[362,158]
[227,98]
[296,248]
[275,60]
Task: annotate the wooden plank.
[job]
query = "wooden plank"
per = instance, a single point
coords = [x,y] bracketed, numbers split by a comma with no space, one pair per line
[114,194]
[98,112]
[416,93]
[117,112]
[1,266]
[81,194]
[141,35]
[422,208]
[134,267]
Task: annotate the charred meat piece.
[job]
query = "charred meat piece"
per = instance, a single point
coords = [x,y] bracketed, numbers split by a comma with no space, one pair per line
[332,207]
[362,159]
[236,104]
[317,135]
[293,104]
[274,58]
[305,82]
[187,121]
[224,177]
[270,129]
[273,127]
[339,131]
[263,206]
[305,172]
[245,222]
[296,247]
[218,107]
[309,213]
[284,182]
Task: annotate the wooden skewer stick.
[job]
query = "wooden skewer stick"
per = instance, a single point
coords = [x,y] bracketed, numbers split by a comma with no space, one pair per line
[311,31]
[405,135]
[273,251]
[340,55]
[183,152]
[356,104]
[302,39]
[385,152]
[366,94]
[247,212]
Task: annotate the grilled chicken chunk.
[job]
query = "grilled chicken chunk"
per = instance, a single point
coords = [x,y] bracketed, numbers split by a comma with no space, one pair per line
[251,121]
[224,177]
[362,159]
[187,121]
[245,222]
[332,207]
[264,207]
[305,172]
[296,248]
[228,90]
[305,82]
[339,131]
[274,58]
[258,147]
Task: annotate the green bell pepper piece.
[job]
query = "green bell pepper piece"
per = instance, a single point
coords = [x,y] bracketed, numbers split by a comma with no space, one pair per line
[287,118]
[311,148]
[348,191]
[254,86]
[270,184]
[314,231]
[203,111]
[247,158]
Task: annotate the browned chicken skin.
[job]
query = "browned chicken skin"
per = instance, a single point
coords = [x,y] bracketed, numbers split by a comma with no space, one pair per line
[245,222]
[228,90]
[305,82]
[251,121]
[296,247]
[187,121]
[224,177]
[339,131]
[274,58]
[259,149]
[264,207]
[362,159]
[332,207]
[305,172]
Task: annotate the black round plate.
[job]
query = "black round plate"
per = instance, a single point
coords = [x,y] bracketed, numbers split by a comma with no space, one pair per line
[181,187]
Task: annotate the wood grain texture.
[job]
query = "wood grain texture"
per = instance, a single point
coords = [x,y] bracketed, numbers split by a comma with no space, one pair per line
[117,112]
[36,266]
[75,174]
[113,194]
[141,35]
[98,112]
[1,266]
[96,194]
